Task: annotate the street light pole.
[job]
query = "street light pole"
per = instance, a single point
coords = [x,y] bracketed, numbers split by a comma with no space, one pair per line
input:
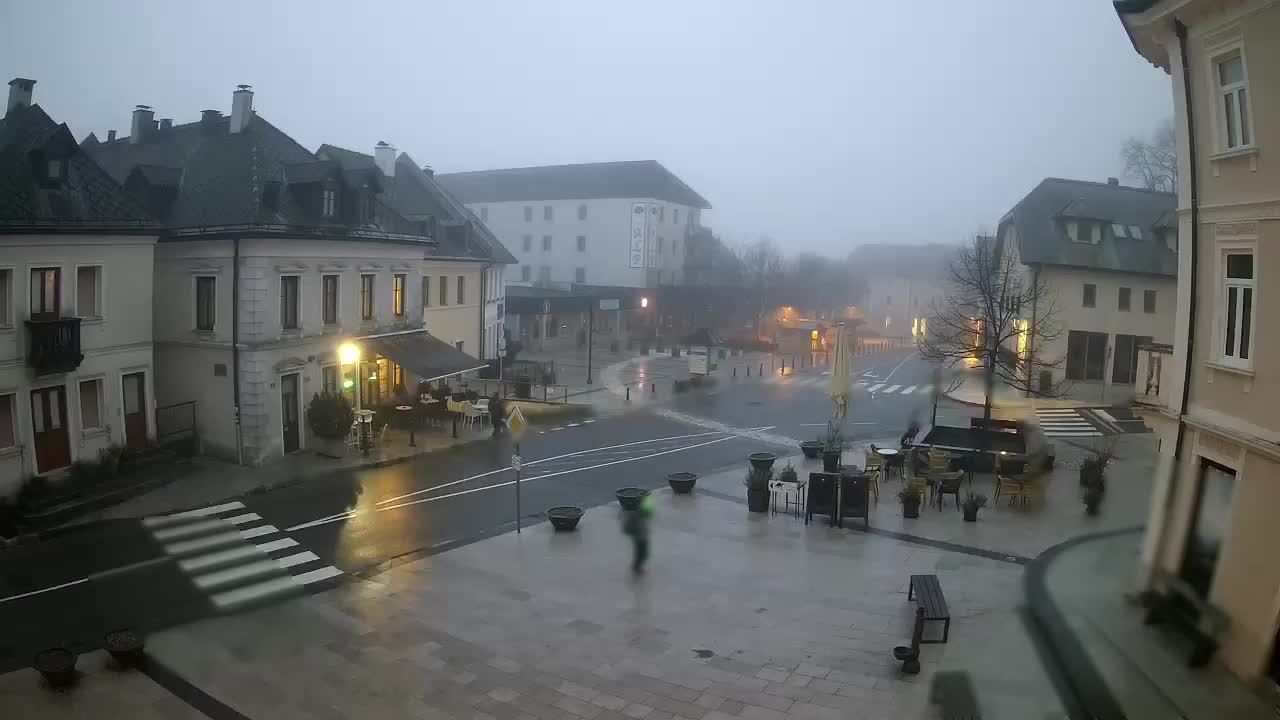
[591,328]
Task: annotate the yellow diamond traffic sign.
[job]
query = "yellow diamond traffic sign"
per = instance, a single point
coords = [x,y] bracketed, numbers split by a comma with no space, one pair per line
[516,422]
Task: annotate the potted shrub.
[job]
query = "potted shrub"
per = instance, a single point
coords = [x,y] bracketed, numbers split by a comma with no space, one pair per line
[125,647]
[911,498]
[1092,499]
[788,474]
[630,497]
[832,448]
[330,417]
[682,482]
[971,504]
[757,482]
[811,449]
[1095,465]
[565,517]
[57,665]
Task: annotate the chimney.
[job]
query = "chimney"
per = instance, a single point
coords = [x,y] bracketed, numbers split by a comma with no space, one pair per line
[143,123]
[111,136]
[1113,181]
[384,156]
[241,108]
[209,121]
[166,123]
[19,93]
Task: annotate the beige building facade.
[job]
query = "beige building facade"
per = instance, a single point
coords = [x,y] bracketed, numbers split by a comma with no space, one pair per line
[1216,391]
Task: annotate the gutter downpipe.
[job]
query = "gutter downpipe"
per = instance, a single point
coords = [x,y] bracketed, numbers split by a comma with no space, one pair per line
[235,344]
[1035,322]
[484,303]
[1180,31]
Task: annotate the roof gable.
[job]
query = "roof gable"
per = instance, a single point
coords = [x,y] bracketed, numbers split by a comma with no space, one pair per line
[628,179]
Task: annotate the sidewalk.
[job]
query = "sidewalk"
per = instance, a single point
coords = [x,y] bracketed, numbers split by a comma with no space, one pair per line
[739,616]
[972,391]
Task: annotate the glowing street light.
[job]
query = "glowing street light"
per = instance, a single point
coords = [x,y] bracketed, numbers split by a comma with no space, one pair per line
[349,353]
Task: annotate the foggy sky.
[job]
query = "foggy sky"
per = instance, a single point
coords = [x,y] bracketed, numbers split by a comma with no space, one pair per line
[823,125]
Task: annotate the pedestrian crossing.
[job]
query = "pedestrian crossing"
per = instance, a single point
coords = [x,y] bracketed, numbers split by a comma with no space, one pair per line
[825,379]
[235,558]
[1065,422]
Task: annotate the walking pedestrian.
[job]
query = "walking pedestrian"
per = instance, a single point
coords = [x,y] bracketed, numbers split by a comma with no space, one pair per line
[496,415]
[636,524]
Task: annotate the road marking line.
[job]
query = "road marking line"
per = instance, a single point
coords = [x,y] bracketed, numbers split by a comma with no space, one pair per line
[200,562]
[249,593]
[181,531]
[45,590]
[925,389]
[205,543]
[909,390]
[219,578]
[572,425]
[587,422]
[875,387]
[242,519]
[302,557]
[317,575]
[533,462]
[889,377]
[892,388]
[198,512]
[274,545]
[258,531]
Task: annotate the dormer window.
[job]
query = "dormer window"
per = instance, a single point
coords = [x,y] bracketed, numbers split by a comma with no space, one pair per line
[1083,231]
[55,170]
[367,212]
[1119,230]
[329,202]
[1135,232]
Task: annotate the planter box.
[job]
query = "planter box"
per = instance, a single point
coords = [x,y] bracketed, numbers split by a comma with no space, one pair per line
[762,460]
[631,497]
[811,449]
[565,517]
[682,482]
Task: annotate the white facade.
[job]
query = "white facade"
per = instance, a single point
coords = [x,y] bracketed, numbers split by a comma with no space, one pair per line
[495,309]
[196,364]
[106,281]
[898,306]
[550,251]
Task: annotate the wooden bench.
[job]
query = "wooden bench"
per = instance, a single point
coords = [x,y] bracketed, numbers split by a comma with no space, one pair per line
[926,590]
[1180,605]
[953,693]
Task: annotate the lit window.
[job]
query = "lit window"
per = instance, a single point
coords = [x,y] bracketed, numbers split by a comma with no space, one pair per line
[1235,102]
[397,295]
[329,203]
[1236,314]
[1118,231]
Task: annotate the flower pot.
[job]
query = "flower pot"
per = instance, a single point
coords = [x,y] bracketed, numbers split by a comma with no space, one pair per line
[811,449]
[831,460]
[911,508]
[1090,475]
[631,497]
[682,482]
[565,517]
[125,647]
[762,460]
[971,515]
[1092,500]
[57,665]
[757,501]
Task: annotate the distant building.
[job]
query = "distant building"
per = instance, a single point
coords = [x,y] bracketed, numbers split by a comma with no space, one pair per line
[902,284]
[1107,255]
[76,253]
[272,258]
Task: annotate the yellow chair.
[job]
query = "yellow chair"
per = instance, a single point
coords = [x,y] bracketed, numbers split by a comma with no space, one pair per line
[939,461]
[913,481]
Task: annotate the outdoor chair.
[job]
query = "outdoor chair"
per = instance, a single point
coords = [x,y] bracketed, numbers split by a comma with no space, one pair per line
[939,461]
[911,480]
[472,415]
[948,484]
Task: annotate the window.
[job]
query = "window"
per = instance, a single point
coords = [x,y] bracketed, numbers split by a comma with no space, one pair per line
[397,295]
[579,275]
[528,243]
[289,302]
[525,273]
[444,291]
[1235,102]
[426,291]
[366,297]
[1085,232]
[1124,299]
[329,299]
[1124,368]
[46,291]
[91,404]
[484,214]
[329,379]
[546,243]
[582,212]
[8,436]
[1135,232]
[1086,355]
[206,302]
[6,297]
[329,203]
[462,290]
[675,216]
[1149,301]
[544,274]
[661,242]
[55,169]
[546,213]
[1090,295]
[460,345]
[582,243]
[528,213]
[1119,231]
[662,213]
[1209,529]
[88,292]
[1236,318]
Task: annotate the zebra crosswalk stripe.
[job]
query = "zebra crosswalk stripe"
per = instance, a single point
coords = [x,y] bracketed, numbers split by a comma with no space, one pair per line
[235,557]
[892,388]
[909,390]
[875,387]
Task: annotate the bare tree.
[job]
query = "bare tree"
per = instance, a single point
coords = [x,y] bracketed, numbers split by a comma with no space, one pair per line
[762,262]
[995,315]
[1154,163]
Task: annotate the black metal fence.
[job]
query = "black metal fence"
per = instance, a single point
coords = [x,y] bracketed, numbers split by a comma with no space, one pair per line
[518,390]
[175,420]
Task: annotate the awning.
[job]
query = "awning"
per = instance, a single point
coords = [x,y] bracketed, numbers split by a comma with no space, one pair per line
[427,357]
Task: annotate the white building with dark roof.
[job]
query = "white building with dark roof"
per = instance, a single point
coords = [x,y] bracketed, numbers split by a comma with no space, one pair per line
[619,224]
[1107,254]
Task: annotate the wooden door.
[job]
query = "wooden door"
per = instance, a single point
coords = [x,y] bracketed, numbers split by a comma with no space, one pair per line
[135,410]
[289,411]
[49,428]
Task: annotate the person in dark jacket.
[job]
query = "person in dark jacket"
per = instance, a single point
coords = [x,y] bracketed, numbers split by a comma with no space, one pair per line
[497,416]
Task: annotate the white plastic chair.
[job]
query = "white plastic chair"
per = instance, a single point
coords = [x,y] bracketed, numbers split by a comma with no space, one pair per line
[473,415]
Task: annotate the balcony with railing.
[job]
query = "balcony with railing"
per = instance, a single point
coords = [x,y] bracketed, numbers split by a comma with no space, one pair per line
[53,345]
[1155,378]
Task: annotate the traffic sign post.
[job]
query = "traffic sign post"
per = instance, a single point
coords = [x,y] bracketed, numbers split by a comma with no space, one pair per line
[517,424]
[516,463]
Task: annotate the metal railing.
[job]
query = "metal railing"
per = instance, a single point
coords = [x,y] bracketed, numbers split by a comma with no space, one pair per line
[516,390]
[176,419]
